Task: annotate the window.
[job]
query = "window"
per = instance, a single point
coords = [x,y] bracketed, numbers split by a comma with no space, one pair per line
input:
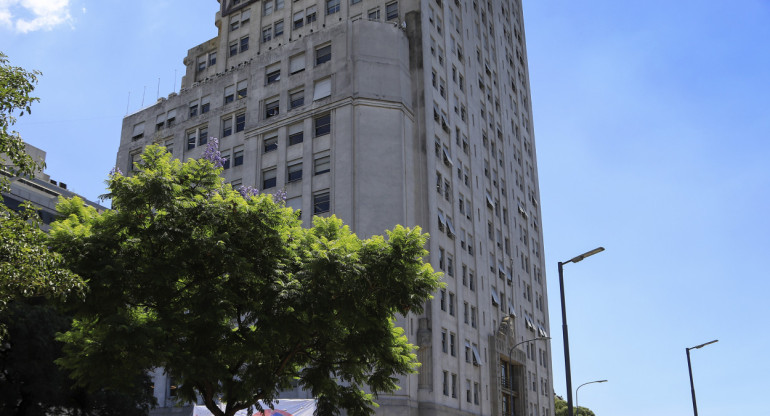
[454,385]
[212,58]
[355,1]
[476,355]
[299,19]
[273,75]
[234,22]
[323,125]
[205,105]
[391,11]
[138,132]
[227,126]
[268,178]
[135,159]
[297,99]
[229,94]
[271,108]
[452,344]
[444,347]
[244,44]
[238,157]
[278,28]
[297,64]
[240,122]
[267,8]
[245,16]
[442,299]
[310,15]
[374,14]
[446,383]
[234,48]
[323,55]
[321,203]
[226,161]
[468,396]
[191,138]
[452,304]
[270,144]
[171,118]
[295,172]
[322,165]
[323,89]
[473,314]
[295,204]
[242,89]
[193,108]
[278,4]
[267,34]
[332,6]
[296,134]
[203,135]
[201,63]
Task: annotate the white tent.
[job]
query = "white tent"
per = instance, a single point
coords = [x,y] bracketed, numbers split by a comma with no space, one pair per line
[283,407]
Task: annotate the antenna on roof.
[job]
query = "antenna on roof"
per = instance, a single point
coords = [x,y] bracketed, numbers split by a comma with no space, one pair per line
[143,90]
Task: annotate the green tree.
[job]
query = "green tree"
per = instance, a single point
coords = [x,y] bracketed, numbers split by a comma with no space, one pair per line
[32,384]
[16,85]
[27,267]
[560,408]
[232,297]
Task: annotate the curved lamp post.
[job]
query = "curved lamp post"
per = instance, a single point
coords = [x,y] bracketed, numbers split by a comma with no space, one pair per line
[564,322]
[577,403]
[689,367]
[510,351]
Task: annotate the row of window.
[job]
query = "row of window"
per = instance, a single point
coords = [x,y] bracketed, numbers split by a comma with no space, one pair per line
[451,386]
[322,89]
[321,165]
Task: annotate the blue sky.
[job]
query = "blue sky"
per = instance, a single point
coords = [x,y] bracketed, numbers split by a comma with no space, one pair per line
[651,122]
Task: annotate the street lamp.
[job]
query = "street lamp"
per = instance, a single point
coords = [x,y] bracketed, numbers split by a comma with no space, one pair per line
[510,351]
[689,367]
[577,403]
[564,322]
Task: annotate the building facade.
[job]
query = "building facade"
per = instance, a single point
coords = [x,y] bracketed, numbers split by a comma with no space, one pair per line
[41,191]
[390,112]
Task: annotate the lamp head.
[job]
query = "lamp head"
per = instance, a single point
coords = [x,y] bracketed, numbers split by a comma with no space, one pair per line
[584,255]
[703,345]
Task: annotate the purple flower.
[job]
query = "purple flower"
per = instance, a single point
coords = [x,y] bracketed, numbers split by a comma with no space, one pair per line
[248,191]
[115,171]
[212,153]
[280,197]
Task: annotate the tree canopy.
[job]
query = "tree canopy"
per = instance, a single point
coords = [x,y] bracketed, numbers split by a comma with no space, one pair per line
[232,296]
[16,86]
[31,384]
[27,267]
[560,408]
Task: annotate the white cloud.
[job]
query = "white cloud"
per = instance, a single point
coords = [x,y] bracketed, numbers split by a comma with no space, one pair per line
[25,16]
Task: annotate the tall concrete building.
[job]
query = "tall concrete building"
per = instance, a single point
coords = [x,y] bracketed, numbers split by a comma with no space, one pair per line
[391,112]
